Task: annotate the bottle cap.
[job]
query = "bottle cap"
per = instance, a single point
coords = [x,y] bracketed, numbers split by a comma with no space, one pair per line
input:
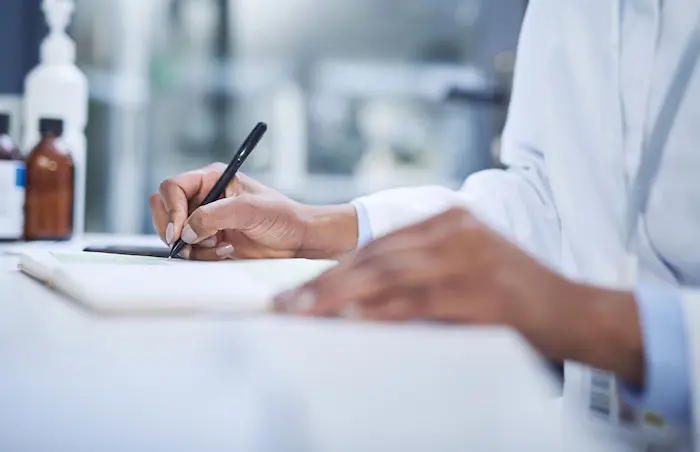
[4,123]
[52,125]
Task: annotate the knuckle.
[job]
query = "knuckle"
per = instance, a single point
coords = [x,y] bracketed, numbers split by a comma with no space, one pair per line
[153,200]
[166,186]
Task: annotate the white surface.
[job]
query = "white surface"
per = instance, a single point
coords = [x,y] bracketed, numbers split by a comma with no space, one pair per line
[80,382]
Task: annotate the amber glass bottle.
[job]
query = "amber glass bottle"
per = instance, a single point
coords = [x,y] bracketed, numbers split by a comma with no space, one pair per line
[48,210]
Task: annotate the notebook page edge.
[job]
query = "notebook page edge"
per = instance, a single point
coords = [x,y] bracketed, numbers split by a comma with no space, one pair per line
[41,265]
[256,298]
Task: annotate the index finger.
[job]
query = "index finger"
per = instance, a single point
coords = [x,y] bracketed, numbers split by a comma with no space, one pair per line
[176,194]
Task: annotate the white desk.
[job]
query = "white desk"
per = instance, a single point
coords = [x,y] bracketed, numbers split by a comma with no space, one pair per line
[74,381]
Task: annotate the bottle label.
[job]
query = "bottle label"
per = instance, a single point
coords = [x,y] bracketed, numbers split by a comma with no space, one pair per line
[12,178]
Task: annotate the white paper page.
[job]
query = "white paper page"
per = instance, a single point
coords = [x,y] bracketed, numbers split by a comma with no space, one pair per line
[136,283]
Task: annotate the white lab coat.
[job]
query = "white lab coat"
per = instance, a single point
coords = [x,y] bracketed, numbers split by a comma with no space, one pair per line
[587,86]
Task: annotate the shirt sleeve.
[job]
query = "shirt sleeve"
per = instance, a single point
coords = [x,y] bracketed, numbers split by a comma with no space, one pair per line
[667,391]
[364,230]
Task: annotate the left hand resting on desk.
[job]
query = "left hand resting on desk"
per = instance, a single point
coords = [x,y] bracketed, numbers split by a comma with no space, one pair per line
[448,268]
[453,268]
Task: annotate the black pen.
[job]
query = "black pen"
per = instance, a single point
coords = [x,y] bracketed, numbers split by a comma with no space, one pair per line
[227,176]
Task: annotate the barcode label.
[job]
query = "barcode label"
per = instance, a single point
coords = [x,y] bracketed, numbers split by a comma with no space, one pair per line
[600,401]
[600,381]
[606,408]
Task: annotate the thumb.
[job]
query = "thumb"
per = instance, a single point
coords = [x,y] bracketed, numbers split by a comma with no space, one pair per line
[234,213]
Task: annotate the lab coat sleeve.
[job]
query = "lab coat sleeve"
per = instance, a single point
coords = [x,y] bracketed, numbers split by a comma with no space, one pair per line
[667,391]
[516,202]
[691,307]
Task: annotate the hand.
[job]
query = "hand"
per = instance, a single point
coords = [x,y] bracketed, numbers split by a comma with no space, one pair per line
[450,268]
[453,268]
[250,221]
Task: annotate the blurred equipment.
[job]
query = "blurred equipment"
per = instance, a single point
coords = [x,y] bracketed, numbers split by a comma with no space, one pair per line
[359,95]
[56,88]
[404,131]
[11,185]
[21,29]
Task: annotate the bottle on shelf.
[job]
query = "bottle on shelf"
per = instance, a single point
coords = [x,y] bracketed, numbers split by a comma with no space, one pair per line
[57,88]
[11,185]
[50,184]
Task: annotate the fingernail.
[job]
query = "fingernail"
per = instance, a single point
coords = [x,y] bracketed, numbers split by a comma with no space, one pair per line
[225,249]
[351,311]
[169,233]
[295,301]
[281,300]
[208,243]
[188,235]
[185,253]
[305,301]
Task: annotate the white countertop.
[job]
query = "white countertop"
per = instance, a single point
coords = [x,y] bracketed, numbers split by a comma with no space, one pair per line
[71,380]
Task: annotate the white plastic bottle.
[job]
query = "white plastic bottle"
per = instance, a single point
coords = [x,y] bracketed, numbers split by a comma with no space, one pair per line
[56,88]
[11,185]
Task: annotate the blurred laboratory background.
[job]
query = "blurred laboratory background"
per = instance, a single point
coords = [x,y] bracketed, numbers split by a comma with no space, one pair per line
[359,95]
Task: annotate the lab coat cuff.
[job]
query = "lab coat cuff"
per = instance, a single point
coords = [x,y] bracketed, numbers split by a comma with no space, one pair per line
[364,230]
[667,391]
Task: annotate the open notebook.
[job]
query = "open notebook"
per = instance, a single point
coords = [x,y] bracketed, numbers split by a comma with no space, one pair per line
[138,284]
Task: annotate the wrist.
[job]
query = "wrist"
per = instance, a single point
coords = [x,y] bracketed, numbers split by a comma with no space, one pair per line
[597,327]
[329,231]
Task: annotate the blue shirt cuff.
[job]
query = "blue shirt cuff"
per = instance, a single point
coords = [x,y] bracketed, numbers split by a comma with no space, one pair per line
[364,230]
[667,390]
